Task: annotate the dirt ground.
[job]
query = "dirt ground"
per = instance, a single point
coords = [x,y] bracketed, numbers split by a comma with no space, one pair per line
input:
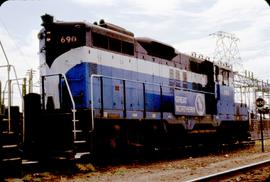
[182,169]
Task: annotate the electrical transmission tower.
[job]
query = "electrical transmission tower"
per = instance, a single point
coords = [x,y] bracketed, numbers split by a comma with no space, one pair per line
[226,49]
[247,87]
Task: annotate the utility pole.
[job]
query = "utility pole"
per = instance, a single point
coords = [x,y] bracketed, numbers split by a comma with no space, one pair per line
[30,72]
[24,87]
[260,102]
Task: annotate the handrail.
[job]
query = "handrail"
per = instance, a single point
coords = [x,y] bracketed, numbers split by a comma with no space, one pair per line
[155,84]
[8,77]
[73,110]
[66,82]
[3,97]
[135,81]
[9,80]
[23,125]
[92,100]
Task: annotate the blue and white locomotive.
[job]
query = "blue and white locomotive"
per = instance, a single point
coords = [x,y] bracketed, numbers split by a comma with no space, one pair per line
[104,89]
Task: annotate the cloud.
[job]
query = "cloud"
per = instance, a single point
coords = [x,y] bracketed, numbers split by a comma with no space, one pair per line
[153,7]
[249,20]
[204,45]
[259,66]
[185,24]
[94,2]
[143,7]
[23,56]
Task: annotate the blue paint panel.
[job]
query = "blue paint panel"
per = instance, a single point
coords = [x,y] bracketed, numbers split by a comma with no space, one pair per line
[107,71]
[167,99]
[152,97]
[77,78]
[96,94]
[116,72]
[128,75]
[117,90]
[113,90]
[94,69]
[134,96]
[107,93]
[225,104]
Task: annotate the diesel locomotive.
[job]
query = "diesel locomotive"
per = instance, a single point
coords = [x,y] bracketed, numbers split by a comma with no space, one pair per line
[103,89]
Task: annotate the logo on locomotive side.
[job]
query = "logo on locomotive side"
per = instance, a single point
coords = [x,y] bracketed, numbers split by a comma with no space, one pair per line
[200,104]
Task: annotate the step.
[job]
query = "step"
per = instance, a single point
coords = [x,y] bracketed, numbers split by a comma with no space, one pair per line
[80,135]
[81,146]
[8,132]
[11,159]
[5,120]
[9,146]
[29,165]
[9,153]
[80,141]
[79,155]
[77,131]
[28,162]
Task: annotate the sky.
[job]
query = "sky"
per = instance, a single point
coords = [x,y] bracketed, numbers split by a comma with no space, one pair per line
[184,24]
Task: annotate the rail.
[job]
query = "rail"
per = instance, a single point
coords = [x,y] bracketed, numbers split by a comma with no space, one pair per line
[134,81]
[71,98]
[222,175]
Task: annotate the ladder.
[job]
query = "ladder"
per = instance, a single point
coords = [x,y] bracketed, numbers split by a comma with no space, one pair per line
[80,140]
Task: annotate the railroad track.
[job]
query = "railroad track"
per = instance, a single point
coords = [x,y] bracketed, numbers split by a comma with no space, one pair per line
[233,172]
